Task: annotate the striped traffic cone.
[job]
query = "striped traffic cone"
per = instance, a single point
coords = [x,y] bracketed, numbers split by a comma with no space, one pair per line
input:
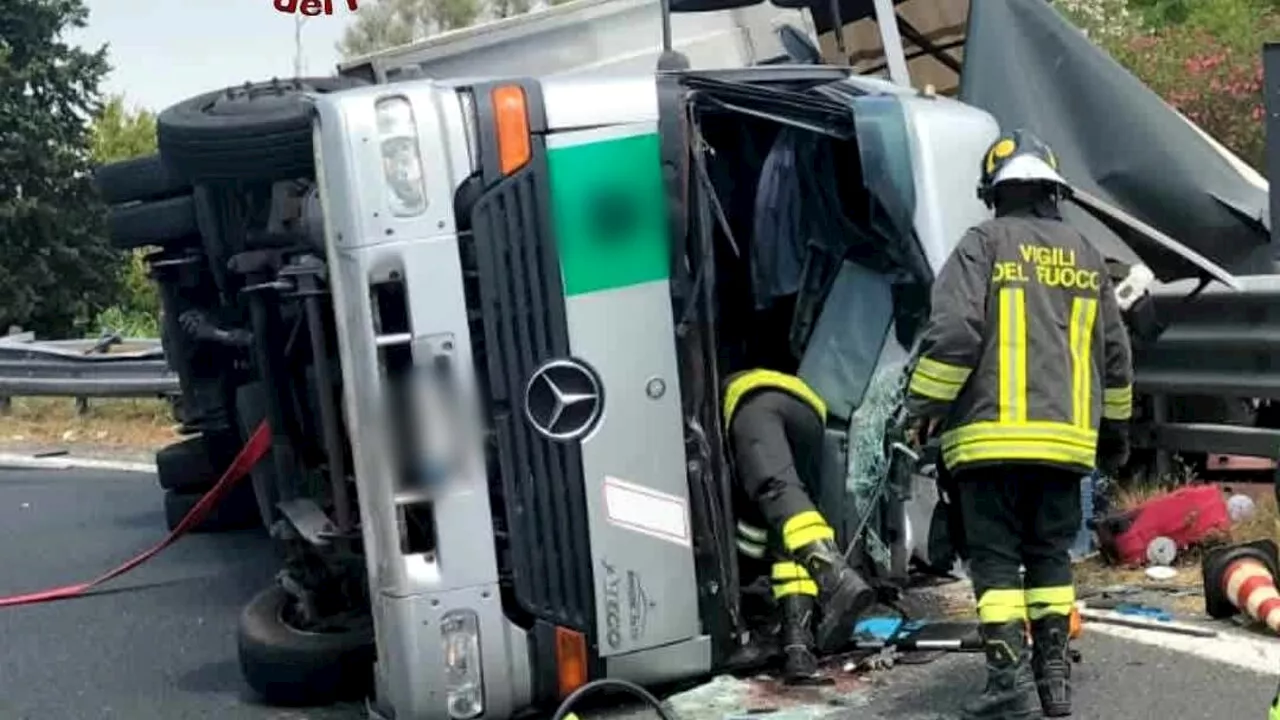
[1242,578]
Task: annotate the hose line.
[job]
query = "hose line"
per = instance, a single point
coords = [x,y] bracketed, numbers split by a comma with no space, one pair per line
[565,711]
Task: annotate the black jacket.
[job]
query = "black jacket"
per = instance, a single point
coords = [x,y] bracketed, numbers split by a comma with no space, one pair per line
[1025,352]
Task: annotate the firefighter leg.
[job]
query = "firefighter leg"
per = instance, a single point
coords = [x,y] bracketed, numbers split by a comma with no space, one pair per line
[796,594]
[992,536]
[762,433]
[1052,509]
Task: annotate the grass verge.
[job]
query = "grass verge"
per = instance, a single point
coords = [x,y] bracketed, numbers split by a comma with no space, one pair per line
[1094,573]
[51,423]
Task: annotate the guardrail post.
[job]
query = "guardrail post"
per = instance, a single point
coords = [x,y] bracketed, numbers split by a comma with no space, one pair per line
[6,405]
[82,406]
[1159,416]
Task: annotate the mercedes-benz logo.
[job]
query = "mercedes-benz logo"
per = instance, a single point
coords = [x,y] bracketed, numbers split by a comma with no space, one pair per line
[563,400]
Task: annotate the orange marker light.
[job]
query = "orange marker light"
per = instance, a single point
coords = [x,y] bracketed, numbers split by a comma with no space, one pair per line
[511,115]
[571,660]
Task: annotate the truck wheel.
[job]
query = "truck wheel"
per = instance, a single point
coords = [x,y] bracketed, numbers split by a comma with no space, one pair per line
[185,467]
[288,666]
[256,132]
[142,178]
[237,511]
[152,223]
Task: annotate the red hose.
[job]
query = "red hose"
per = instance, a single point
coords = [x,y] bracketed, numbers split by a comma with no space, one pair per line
[248,456]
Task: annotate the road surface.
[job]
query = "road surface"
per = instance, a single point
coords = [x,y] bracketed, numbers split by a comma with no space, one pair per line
[161,643]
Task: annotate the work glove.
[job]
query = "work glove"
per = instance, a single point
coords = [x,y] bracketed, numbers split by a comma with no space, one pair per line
[921,429]
[1113,446]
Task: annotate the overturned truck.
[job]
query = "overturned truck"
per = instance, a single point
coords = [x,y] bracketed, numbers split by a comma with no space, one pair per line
[487,323]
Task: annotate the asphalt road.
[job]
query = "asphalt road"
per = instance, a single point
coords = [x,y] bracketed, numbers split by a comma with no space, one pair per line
[160,644]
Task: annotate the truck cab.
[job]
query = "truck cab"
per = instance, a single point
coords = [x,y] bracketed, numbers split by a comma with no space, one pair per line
[505,248]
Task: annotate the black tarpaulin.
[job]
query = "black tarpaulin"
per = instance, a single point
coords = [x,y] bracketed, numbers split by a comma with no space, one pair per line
[1115,138]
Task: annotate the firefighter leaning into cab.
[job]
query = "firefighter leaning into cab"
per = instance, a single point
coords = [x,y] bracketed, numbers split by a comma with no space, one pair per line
[775,425]
[1024,366]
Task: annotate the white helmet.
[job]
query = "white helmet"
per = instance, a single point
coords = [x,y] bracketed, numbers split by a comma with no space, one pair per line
[1019,156]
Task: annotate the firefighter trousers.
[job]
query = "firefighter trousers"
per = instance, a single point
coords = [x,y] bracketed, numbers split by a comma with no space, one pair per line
[1020,515]
[776,440]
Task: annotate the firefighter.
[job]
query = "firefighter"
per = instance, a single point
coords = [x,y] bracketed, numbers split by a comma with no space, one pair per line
[1025,367]
[775,425]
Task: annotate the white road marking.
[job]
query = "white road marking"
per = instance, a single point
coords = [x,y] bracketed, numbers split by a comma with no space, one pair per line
[1231,647]
[62,462]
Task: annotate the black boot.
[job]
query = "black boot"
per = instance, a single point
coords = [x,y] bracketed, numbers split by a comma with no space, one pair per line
[799,666]
[1011,690]
[842,593]
[1052,667]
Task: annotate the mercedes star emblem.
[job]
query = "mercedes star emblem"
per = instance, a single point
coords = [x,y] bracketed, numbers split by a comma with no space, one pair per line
[563,400]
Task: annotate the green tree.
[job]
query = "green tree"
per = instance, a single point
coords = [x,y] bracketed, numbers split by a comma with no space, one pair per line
[121,133]
[56,268]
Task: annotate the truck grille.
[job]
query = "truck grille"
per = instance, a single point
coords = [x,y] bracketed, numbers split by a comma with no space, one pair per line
[518,316]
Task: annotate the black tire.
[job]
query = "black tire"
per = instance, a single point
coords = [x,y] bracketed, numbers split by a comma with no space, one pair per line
[163,222]
[143,178]
[237,511]
[257,132]
[287,666]
[186,467]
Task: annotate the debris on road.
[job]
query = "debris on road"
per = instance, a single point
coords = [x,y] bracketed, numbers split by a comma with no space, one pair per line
[730,698]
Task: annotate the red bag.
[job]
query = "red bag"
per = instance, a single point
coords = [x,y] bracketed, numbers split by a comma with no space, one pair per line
[1188,516]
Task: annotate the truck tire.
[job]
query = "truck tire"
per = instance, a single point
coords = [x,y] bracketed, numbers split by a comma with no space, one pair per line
[141,178]
[237,511]
[161,222]
[256,132]
[287,666]
[185,467]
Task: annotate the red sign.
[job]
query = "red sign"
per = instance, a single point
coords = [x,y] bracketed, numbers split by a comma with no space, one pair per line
[312,8]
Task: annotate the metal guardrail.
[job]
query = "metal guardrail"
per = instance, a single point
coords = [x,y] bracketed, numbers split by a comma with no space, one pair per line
[1219,354]
[83,369]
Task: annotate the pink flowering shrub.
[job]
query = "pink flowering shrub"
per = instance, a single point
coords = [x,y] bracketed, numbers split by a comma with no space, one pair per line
[1211,71]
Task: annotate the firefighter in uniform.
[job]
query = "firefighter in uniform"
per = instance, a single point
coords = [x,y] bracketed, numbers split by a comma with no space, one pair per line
[1025,368]
[775,424]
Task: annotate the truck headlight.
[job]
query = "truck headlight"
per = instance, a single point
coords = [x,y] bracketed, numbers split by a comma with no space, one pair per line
[463,683]
[401,161]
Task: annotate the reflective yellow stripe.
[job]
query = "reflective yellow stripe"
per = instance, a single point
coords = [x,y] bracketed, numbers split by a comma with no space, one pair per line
[943,372]
[1031,440]
[1045,601]
[1002,606]
[1030,429]
[796,587]
[804,528]
[931,388]
[1013,354]
[1015,450]
[1084,312]
[786,570]
[791,578]
[1117,403]
[752,380]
